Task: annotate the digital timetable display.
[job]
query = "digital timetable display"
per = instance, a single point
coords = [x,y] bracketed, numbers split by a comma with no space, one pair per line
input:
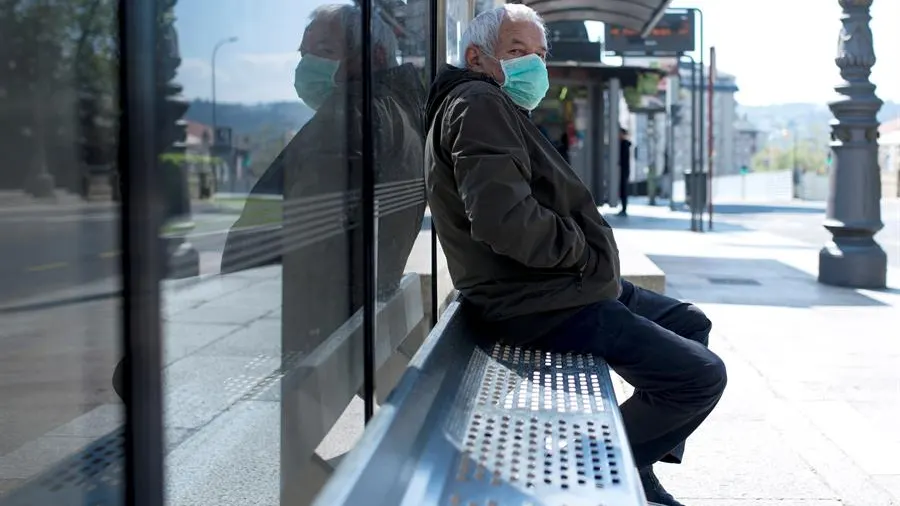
[673,34]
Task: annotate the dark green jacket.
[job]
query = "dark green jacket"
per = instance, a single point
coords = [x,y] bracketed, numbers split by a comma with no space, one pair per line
[521,232]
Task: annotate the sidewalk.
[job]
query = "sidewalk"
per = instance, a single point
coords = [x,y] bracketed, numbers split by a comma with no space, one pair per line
[811,412]
[16,205]
[809,417]
[221,362]
[19,205]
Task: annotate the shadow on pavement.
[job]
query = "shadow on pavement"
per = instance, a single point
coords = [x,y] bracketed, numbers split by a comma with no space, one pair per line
[806,208]
[634,222]
[770,246]
[754,282]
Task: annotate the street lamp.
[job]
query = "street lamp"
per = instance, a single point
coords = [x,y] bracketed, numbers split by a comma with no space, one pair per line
[852,258]
[216,50]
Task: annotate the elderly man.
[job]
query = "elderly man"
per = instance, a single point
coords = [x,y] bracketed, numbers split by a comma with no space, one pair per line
[536,263]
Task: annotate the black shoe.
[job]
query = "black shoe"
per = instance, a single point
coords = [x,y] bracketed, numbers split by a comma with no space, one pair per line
[654,490]
[623,213]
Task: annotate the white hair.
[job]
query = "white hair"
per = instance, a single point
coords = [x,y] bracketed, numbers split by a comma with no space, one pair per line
[484,30]
[349,17]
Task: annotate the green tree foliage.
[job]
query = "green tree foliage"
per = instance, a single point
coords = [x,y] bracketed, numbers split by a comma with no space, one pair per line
[57,87]
[647,85]
[810,157]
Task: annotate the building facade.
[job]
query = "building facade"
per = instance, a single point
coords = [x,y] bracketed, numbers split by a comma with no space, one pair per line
[724,119]
[749,140]
[734,140]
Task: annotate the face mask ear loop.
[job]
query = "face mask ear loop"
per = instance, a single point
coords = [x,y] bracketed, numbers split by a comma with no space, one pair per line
[499,62]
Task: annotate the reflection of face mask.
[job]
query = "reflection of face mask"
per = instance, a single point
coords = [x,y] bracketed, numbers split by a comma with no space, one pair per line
[526,81]
[314,79]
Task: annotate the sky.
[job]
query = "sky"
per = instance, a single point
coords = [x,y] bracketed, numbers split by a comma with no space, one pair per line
[781,51]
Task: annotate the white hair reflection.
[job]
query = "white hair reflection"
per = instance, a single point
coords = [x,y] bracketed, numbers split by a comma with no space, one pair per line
[349,17]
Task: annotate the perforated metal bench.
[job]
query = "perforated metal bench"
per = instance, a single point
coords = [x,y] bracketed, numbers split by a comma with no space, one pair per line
[476,423]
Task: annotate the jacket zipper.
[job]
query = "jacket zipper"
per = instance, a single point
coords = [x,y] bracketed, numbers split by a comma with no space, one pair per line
[579,284]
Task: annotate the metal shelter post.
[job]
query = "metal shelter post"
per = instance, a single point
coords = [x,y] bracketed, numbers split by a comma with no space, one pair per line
[701,125]
[711,147]
[613,91]
[696,120]
[672,103]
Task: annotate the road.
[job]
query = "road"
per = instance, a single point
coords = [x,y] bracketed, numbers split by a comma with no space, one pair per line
[60,322]
[41,255]
[803,221]
[46,254]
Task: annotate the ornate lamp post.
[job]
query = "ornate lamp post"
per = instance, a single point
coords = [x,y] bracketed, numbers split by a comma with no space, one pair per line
[852,258]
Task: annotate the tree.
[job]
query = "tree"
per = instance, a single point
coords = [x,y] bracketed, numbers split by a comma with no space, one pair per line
[810,157]
[59,91]
[57,88]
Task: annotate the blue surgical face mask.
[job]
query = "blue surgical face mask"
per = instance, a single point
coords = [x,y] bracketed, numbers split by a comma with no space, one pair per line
[314,79]
[525,80]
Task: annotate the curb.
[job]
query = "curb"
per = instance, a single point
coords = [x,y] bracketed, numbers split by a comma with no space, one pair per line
[58,209]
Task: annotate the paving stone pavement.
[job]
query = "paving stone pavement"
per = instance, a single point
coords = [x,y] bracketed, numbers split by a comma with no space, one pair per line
[811,412]
[809,417]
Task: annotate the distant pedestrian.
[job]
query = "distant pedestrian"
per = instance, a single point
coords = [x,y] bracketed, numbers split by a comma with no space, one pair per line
[563,147]
[624,169]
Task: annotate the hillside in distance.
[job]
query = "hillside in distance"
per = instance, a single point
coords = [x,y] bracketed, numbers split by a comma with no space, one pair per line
[274,117]
[277,118]
[811,120]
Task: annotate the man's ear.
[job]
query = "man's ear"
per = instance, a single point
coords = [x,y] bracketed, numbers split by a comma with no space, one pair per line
[473,58]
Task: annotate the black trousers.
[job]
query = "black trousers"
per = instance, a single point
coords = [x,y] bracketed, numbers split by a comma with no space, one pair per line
[624,177]
[659,345]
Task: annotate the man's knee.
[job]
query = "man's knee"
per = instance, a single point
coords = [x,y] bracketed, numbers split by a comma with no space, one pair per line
[707,379]
[697,325]
[715,375]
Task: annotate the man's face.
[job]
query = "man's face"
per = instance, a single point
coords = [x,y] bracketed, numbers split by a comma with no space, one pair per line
[325,39]
[516,39]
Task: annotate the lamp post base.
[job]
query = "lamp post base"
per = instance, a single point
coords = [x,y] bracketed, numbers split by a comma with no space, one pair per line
[857,263]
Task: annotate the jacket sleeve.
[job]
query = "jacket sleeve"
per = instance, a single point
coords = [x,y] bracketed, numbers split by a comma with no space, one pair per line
[491,166]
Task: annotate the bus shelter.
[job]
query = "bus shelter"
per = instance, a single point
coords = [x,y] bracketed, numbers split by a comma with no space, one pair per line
[291,300]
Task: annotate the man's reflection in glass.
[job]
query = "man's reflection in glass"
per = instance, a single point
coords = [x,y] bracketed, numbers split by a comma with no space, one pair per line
[319,175]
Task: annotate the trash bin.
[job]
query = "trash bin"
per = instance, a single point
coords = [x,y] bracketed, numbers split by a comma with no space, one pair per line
[697,196]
